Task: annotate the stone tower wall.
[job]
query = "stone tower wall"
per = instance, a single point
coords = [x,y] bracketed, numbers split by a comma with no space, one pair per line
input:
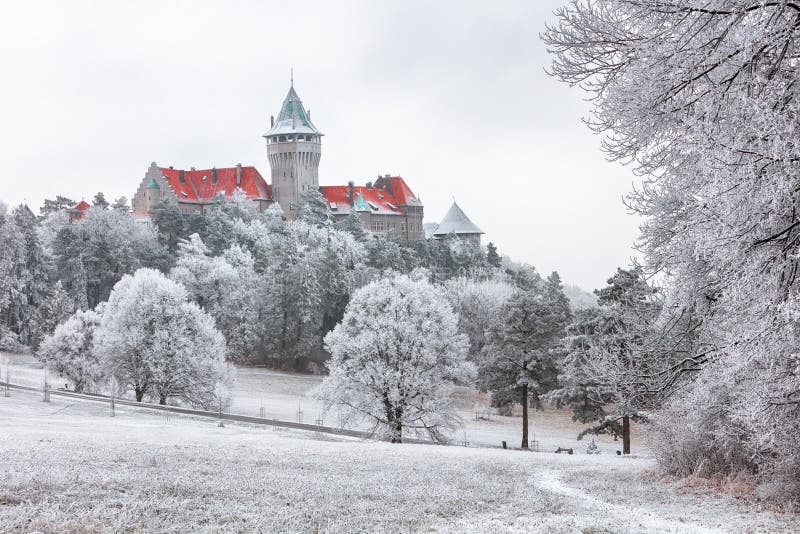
[295,168]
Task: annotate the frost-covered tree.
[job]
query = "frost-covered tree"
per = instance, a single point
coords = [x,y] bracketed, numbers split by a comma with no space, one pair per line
[93,253]
[518,356]
[618,350]
[226,288]
[478,304]
[394,359]
[578,386]
[314,209]
[158,344]
[121,204]
[352,224]
[492,257]
[23,274]
[702,97]
[54,309]
[69,351]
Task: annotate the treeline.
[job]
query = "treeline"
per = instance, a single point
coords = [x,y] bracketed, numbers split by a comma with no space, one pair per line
[273,287]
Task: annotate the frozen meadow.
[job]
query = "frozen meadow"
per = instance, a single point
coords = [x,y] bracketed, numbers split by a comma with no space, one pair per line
[70,467]
[282,395]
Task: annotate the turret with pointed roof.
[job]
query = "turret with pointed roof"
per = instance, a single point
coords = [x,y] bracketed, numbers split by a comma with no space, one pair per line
[293,118]
[294,149]
[456,222]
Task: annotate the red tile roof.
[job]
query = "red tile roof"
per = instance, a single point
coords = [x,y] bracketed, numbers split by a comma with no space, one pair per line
[399,190]
[199,185]
[388,195]
[338,196]
[76,212]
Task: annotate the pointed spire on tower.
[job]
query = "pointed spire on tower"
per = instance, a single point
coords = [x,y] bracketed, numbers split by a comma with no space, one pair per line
[293,118]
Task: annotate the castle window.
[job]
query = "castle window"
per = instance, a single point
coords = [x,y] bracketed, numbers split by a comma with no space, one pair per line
[402,227]
[378,226]
[282,138]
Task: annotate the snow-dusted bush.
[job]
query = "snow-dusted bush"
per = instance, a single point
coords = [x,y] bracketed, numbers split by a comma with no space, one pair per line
[394,359]
[158,344]
[70,351]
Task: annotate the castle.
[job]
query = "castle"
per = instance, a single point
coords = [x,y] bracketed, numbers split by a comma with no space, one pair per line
[294,148]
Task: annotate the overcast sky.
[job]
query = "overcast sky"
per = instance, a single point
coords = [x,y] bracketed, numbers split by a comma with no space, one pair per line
[450,95]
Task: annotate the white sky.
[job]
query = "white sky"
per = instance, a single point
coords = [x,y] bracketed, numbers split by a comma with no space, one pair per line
[450,95]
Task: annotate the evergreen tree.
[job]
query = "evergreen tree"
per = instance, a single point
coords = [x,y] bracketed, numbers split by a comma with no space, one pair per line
[58,204]
[352,225]
[518,355]
[314,209]
[99,201]
[579,388]
[56,307]
[121,204]
[32,276]
[492,257]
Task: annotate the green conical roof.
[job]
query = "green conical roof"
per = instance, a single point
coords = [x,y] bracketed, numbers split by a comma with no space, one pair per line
[153,184]
[293,118]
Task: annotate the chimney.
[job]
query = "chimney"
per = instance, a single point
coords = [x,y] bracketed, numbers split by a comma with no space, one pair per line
[191,168]
[271,121]
[350,187]
[214,176]
[170,167]
[308,112]
[238,175]
[183,177]
[369,185]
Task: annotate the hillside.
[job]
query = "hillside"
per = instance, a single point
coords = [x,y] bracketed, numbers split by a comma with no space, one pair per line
[70,467]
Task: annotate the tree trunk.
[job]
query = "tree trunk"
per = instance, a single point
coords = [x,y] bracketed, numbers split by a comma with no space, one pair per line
[626,435]
[524,416]
[139,394]
[162,400]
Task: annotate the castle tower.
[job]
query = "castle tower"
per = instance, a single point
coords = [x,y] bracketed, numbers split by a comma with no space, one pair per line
[293,148]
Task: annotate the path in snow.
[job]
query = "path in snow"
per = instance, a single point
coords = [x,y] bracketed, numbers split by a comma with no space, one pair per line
[634,518]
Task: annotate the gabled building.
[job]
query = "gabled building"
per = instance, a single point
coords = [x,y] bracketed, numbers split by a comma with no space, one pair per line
[76,212]
[387,206]
[194,191]
[456,222]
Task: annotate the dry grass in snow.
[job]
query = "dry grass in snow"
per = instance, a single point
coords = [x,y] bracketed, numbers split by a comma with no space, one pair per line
[70,467]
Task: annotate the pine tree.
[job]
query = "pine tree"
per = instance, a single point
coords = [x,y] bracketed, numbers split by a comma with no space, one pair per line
[121,204]
[352,224]
[52,206]
[492,257]
[314,209]
[518,355]
[99,201]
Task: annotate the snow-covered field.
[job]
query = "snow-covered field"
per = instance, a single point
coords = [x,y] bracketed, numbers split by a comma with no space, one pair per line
[67,466]
[283,394]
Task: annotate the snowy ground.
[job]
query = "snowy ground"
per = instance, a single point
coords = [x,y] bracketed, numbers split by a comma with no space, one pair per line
[70,467]
[282,395]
